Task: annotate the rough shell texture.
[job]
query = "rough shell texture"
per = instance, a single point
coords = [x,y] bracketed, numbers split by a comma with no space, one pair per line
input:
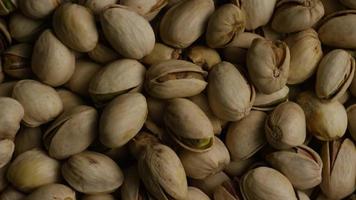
[52,191]
[258,13]
[38,9]
[11,114]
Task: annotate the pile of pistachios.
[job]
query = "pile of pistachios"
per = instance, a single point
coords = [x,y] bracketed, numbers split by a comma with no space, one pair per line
[177,100]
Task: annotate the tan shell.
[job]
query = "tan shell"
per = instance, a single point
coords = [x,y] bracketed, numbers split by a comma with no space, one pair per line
[243,40]
[33,169]
[92,173]
[16,61]
[136,39]
[335,74]
[40,102]
[160,53]
[97,6]
[103,54]
[246,137]
[351,116]
[7,6]
[229,93]
[11,114]
[148,9]
[194,194]
[98,197]
[52,191]
[122,119]
[69,99]
[296,15]
[185,22]
[175,78]
[204,56]
[339,172]
[305,55]
[24,29]
[38,9]
[75,26]
[11,194]
[239,167]
[267,102]
[7,148]
[226,191]
[209,184]
[268,64]
[52,62]
[349,3]
[27,139]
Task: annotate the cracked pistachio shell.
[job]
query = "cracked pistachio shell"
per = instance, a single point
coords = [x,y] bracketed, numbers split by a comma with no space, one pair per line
[246,137]
[5,37]
[148,9]
[289,163]
[69,99]
[92,173]
[119,77]
[16,61]
[24,29]
[335,74]
[160,53]
[199,165]
[204,56]
[286,126]
[188,125]
[174,79]
[325,120]
[52,191]
[7,6]
[27,139]
[349,3]
[268,64]
[97,6]
[99,197]
[339,172]
[75,26]
[258,13]
[7,148]
[264,183]
[296,15]
[195,193]
[209,184]
[351,116]
[224,24]
[267,102]
[162,173]
[185,22]
[339,29]
[103,54]
[40,102]
[305,55]
[72,132]
[52,62]
[11,194]
[33,169]
[11,114]
[122,119]
[136,39]
[229,93]
[38,9]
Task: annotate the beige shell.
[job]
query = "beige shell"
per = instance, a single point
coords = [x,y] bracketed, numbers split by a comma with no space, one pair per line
[7,148]
[103,54]
[122,119]
[99,197]
[27,139]
[175,78]
[24,29]
[52,62]
[209,184]
[75,26]
[69,99]
[351,116]
[160,53]
[97,6]
[11,114]
[7,7]
[16,61]
[226,191]
[33,169]
[229,93]
[92,173]
[335,74]
[52,191]
[136,39]
[38,9]
[267,102]
[246,137]
[11,194]
[349,3]
[148,9]
[204,56]
[194,194]
[40,102]
[239,167]
[185,22]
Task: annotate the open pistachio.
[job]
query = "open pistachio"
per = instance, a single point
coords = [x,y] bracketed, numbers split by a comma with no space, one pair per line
[91,173]
[69,99]
[33,169]
[335,74]
[204,56]
[194,194]
[161,52]
[148,9]
[349,3]
[185,22]
[99,197]
[38,9]
[97,6]
[16,61]
[136,39]
[305,55]
[351,116]
[52,191]
[247,136]
[229,93]
[296,15]
[40,102]
[103,54]
[11,114]
[24,29]
[339,172]
[5,37]
[7,6]
[209,184]
[12,194]
[27,139]
[268,64]
[7,148]
[175,78]
[226,22]
[267,102]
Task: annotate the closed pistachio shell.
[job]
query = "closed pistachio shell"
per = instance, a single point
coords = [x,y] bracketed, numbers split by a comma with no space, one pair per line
[122,119]
[7,148]
[136,39]
[185,22]
[174,79]
[75,26]
[103,54]
[335,74]
[246,137]
[69,99]
[267,102]
[27,139]
[161,52]
[148,9]
[351,116]
[97,6]
[204,56]
[24,29]
[33,169]
[11,114]
[92,173]
[7,7]
[349,3]
[52,62]
[38,9]
[52,191]
[209,184]
[11,194]
[258,13]
[99,197]
[40,102]
[16,61]
[194,194]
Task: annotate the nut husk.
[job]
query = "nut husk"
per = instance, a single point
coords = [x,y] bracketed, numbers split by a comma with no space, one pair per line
[24,29]
[351,116]
[52,191]
[161,52]
[16,61]
[148,9]
[11,114]
[7,148]
[38,9]
[204,56]
[27,139]
[267,102]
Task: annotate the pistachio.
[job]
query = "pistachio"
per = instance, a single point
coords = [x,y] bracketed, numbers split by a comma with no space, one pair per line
[209,184]
[3,180]
[351,116]
[131,188]
[33,169]
[243,40]
[38,9]
[16,61]
[335,74]
[331,6]
[52,62]
[97,6]
[148,9]
[99,197]
[24,29]
[11,194]
[69,99]
[194,193]
[239,167]
[302,195]
[226,191]
[40,102]
[204,57]
[7,6]
[349,3]
[175,78]
[185,22]
[5,37]
[52,191]
[7,148]
[156,109]
[160,53]
[92,173]
[11,114]
[136,39]
[6,88]
[103,54]
[268,64]
[27,139]
[267,102]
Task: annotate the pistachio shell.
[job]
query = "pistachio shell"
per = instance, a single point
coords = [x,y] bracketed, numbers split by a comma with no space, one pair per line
[351,116]
[11,194]
[7,6]
[161,52]
[27,139]
[239,167]
[204,56]
[7,148]
[130,189]
[52,191]
[332,6]
[243,40]
[194,194]
[3,179]
[97,6]
[6,88]
[38,9]
[103,54]
[40,102]
[16,61]
[148,9]
[99,197]
[33,169]
[11,114]
[226,191]
[302,195]
[24,29]
[92,173]
[185,22]
[349,3]
[5,37]
[267,102]
[69,99]
[209,184]
[136,39]
[258,13]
